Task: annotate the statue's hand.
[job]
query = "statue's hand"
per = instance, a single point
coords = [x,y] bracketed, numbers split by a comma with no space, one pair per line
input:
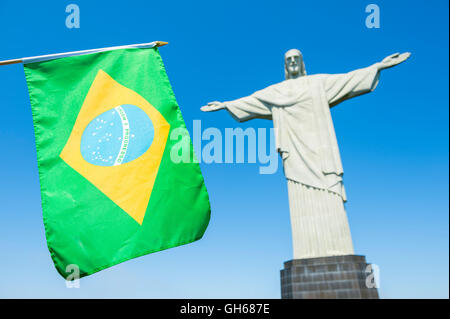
[393,60]
[213,106]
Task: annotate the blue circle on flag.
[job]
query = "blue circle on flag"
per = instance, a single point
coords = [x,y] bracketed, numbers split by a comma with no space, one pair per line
[117,136]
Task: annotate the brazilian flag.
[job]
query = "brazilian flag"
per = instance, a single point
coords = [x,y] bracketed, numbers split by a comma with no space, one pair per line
[109,188]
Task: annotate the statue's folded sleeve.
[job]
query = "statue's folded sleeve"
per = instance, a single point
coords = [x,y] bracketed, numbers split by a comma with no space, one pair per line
[341,87]
[248,108]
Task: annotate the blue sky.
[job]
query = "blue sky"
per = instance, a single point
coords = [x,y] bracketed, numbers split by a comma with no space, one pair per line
[393,142]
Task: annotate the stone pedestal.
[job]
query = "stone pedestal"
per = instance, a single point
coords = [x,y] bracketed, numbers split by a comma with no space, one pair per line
[334,277]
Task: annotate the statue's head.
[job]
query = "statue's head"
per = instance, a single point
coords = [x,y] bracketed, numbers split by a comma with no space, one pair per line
[294,66]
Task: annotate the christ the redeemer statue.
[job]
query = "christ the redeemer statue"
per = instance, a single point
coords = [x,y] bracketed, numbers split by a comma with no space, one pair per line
[305,138]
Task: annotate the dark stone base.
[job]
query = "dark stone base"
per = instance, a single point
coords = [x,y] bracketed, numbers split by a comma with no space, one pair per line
[335,277]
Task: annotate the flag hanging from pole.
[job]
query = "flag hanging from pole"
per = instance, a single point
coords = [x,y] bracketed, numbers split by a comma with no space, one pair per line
[109,189]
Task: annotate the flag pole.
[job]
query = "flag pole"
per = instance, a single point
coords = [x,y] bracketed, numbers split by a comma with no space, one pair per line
[15,61]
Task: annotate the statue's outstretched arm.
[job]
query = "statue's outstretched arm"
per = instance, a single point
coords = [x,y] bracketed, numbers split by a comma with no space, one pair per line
[341,87]
[242,109]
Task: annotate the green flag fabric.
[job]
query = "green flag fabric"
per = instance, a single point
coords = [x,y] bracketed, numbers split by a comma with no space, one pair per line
[109,188]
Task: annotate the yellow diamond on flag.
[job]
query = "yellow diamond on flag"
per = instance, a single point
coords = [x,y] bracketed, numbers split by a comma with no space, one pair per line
[104,147]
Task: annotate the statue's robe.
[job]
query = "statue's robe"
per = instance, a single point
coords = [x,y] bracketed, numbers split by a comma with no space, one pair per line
[306,141]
